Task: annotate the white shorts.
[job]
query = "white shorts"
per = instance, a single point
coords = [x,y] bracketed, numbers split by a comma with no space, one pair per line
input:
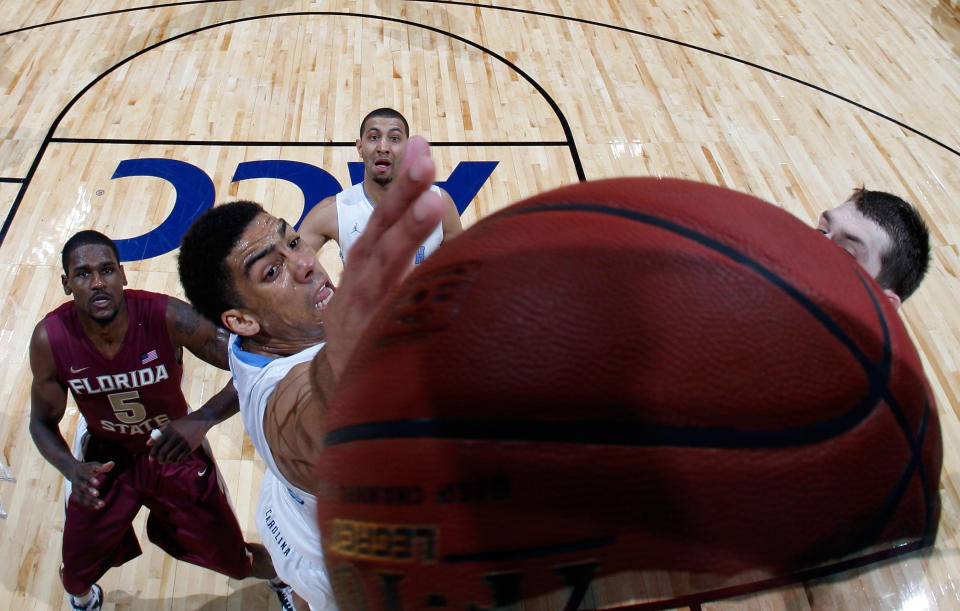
[282,535]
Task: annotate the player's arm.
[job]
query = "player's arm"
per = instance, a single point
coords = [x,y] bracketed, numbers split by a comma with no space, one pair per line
[208,342]
[180,437]
[294,419]
[187,328]
[48,403]
[452,226]
[321,224]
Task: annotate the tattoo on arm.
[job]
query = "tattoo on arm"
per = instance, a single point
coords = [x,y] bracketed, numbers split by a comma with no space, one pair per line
[205,340]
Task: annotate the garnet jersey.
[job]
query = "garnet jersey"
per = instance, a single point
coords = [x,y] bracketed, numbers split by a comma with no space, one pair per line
[125,397]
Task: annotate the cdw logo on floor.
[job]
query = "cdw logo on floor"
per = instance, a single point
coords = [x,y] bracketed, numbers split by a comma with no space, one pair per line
[195,192]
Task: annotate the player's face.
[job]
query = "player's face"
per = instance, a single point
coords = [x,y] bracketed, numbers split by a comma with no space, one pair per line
[863,238]
[381,148]
[280,282]
[95,279]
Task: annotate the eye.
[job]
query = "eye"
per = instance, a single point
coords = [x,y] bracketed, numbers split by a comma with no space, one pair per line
[271,272]
[294,243]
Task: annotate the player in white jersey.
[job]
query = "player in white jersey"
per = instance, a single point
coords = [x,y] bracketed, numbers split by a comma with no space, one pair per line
[251,272]
[286,514]
[343,217]
[353,213]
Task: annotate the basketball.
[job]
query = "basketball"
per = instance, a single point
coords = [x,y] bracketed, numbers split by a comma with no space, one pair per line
[628,374]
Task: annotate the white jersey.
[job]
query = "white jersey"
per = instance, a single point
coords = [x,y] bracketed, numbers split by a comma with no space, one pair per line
[286,515]
[353,212]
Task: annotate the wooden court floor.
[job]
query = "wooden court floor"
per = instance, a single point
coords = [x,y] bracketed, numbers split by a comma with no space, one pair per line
[128,116]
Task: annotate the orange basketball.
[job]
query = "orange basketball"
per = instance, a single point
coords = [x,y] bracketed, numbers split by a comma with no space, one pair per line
[625,374]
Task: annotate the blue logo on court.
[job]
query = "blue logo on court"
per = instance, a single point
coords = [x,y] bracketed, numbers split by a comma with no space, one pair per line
[195,192]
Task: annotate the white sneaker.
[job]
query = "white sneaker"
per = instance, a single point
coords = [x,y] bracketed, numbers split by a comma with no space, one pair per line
[94,603]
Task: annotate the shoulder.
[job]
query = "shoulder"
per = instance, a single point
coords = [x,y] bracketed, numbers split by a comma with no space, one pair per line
[41,350]
[451,216]
[320,224]
[153,303]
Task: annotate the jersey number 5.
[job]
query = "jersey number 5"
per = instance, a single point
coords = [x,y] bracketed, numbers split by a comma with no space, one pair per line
[126,406]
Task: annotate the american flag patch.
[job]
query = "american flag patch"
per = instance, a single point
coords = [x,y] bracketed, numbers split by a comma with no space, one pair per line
[146,357]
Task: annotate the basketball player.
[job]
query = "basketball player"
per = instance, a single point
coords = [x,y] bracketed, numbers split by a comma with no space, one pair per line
[291,338]
[886,236]
[119,352]
[342,217]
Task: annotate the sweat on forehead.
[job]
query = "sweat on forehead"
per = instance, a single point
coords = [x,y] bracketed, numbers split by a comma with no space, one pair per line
[257,243]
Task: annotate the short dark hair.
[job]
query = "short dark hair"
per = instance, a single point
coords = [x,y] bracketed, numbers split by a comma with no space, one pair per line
[86,238]
[204,248]
[389,113]
[904,264]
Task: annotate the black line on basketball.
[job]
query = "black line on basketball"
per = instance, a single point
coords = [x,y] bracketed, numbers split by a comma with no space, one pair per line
[530,552]
[633,435]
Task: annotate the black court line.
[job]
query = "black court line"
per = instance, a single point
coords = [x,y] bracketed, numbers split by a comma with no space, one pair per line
[305,143]
[12,180]
[568,133]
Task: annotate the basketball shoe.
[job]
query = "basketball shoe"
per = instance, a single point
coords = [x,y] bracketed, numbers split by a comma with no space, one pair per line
[93,604]
[284,593]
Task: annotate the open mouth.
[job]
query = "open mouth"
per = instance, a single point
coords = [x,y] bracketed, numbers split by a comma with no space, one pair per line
[323,297]
[382,164]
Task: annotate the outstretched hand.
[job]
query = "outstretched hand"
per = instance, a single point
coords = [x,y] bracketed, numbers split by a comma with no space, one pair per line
[383,254]
[85,482]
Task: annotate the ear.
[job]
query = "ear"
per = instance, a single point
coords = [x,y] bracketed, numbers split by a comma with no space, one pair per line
[123,275]
[892,298]
[63,281]
[359,151]
[241,322]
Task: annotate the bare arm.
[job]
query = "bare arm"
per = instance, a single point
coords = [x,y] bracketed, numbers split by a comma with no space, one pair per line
[182,436]
[208,342]
[48,403]
[452,227]
[320,224]
[381,257]
[188,329]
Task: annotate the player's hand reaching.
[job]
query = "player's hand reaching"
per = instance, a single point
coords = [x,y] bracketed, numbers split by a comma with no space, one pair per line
[177,440]
[85,482]
[383,254]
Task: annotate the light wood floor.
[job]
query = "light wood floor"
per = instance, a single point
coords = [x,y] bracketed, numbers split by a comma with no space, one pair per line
[794,102]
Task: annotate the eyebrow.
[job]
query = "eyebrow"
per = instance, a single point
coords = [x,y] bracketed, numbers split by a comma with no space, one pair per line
[844,234]
[89,266]
[249,263]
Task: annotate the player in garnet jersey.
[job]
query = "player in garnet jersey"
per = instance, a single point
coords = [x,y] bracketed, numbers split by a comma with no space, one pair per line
[119,352]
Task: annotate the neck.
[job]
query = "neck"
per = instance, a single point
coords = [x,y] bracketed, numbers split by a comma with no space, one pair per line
[273,348]
[374,190]
[107,336]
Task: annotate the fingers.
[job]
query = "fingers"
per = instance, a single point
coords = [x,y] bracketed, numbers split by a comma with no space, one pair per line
[416,175]
[167,446]
[87,482]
